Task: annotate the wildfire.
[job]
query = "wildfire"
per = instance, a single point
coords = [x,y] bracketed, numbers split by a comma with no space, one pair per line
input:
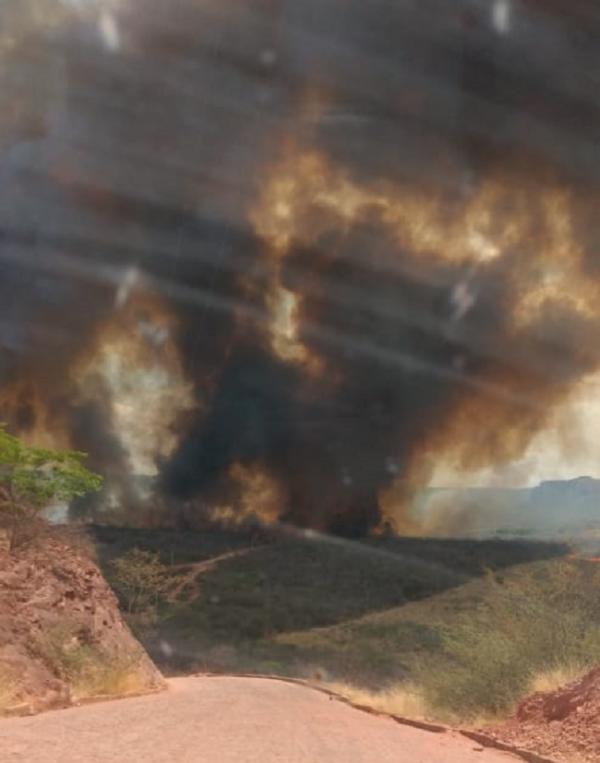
[256,496]
[305,194]
[524,229]
[137,361]
[305,182]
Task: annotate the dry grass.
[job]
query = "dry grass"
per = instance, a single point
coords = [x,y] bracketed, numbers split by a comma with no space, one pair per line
[409,701]
[555,678]
[107,679]
[7,690]
[84,665]
[404,699]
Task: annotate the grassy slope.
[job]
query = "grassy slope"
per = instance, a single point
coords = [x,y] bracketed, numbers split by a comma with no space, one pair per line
[372,614]
[476,649]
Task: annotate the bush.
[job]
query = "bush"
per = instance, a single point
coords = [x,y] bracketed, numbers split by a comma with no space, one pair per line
[141,580]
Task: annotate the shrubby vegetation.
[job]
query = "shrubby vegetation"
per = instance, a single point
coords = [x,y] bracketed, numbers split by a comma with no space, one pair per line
[141,580]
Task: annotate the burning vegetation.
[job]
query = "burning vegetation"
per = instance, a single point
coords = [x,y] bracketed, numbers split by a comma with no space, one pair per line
[235,301]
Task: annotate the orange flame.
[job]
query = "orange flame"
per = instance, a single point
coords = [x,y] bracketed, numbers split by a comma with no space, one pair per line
[497,220]
[259,497]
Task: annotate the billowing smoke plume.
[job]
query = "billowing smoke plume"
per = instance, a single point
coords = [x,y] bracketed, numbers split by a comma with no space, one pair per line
[288,254]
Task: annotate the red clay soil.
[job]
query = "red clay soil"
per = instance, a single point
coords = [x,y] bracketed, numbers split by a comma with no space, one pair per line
[55,606]
[230,720]
[563,724]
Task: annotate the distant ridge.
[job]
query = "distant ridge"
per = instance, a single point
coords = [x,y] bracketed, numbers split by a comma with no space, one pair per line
[554,507]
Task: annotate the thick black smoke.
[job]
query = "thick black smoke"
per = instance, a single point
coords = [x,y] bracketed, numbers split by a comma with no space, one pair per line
[143,139]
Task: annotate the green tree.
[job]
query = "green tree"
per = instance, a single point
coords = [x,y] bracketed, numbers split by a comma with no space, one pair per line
[33,478]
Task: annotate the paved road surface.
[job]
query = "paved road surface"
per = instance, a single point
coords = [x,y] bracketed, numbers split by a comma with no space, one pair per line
[228,720]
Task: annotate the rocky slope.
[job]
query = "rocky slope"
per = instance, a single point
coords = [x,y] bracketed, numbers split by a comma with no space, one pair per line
[62,638]
[563,724]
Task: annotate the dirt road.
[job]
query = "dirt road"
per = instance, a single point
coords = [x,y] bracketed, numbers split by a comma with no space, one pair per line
[229,720]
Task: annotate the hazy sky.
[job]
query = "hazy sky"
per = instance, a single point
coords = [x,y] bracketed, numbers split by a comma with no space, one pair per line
[569,447]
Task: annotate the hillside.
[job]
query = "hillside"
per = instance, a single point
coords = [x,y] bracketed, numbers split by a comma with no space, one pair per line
[504,629]
[62,638]
[358,612]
